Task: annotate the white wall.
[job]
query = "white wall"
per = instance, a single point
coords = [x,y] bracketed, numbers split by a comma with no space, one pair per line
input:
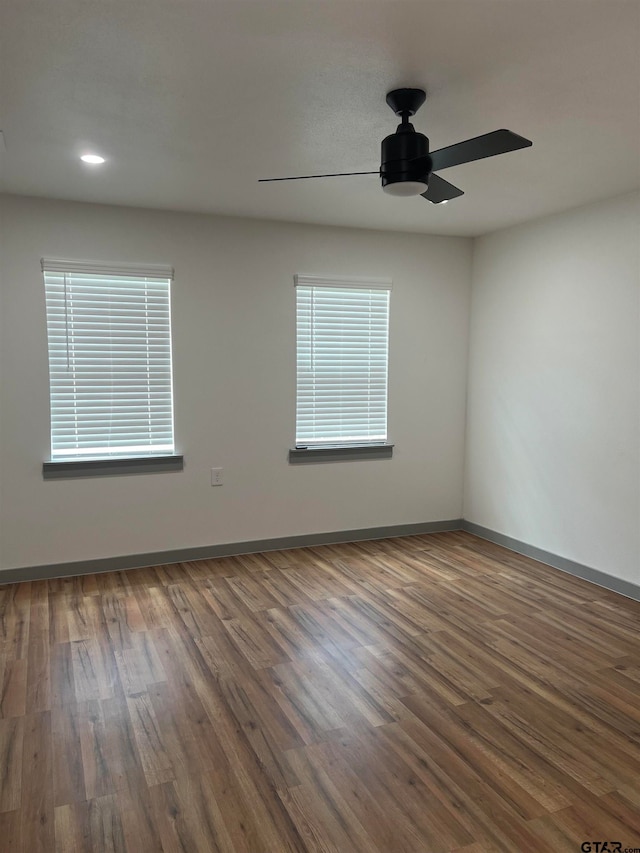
[553,431]
[234,375]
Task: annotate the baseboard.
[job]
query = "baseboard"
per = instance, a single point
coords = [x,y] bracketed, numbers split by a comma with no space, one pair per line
[630,590]
[182,555]
[206,552]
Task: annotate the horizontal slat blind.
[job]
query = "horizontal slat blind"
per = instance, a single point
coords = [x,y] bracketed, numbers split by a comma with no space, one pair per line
[157,271]
[342,361]
[109,362]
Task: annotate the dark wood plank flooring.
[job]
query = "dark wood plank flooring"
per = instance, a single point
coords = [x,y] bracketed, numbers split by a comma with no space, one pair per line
[433,693]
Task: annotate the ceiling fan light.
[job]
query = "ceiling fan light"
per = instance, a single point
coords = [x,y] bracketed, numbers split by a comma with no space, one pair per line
[403,189]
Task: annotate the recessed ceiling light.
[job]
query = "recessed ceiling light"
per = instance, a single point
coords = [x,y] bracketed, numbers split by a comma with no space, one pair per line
[444,201]
[94,159]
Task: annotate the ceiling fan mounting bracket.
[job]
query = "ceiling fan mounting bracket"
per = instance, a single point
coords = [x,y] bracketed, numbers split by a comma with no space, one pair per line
[406,102]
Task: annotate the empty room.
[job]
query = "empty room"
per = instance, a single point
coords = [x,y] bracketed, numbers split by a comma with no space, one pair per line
[319,426]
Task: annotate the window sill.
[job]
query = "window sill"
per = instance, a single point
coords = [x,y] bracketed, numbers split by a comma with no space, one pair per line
[72,468]
[345,453]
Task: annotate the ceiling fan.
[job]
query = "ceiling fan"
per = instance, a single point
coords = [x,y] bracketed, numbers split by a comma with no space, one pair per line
[408,167]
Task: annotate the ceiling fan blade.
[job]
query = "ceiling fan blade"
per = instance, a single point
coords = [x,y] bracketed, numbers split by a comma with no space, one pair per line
[305,177]
[488,145]
[440,190]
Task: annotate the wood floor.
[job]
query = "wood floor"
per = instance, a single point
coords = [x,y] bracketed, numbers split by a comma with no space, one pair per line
[432,693]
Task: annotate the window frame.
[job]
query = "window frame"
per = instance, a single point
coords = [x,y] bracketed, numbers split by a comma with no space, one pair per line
[346,450]
[84,464]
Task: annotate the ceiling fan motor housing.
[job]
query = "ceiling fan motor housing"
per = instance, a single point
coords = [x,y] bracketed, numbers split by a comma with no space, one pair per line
[398,151]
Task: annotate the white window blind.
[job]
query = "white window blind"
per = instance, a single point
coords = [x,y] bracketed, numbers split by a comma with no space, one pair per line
[109,334]
[342,360]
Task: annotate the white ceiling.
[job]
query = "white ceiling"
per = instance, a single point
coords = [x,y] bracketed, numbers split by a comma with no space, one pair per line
[192,101]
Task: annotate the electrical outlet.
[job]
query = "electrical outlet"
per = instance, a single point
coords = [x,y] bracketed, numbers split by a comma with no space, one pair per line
[216,476]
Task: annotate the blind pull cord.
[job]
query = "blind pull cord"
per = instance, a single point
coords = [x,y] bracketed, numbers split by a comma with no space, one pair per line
[66,321]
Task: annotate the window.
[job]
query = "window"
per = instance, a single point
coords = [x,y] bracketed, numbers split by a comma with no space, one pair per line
[109,334]
[342,359]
